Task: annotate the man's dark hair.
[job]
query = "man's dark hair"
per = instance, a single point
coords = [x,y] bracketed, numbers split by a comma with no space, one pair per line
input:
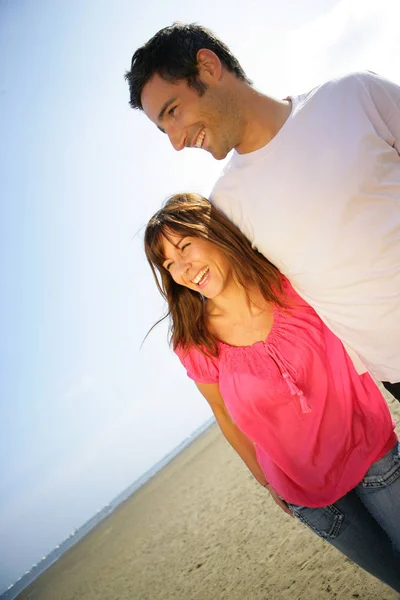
[172,54]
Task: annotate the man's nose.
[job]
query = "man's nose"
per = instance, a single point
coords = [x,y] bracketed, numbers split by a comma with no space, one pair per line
[177,137]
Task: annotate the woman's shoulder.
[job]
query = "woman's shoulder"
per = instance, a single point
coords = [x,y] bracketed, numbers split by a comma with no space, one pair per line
[199,364]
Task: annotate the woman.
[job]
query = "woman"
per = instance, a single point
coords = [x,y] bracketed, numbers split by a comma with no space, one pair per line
[284,391]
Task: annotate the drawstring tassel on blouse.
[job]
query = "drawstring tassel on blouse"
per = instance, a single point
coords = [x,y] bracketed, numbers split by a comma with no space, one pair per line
[295,391]
[284,367]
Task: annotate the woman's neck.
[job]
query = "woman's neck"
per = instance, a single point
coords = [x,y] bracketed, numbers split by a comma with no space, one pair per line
[237,303]
[240,317]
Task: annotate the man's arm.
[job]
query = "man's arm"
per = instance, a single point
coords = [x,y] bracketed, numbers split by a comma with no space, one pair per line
[236,438]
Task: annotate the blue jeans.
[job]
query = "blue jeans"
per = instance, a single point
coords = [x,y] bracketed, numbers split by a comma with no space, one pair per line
[365,523]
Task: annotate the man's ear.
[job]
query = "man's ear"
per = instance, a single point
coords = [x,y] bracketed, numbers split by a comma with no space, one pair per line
[209,65]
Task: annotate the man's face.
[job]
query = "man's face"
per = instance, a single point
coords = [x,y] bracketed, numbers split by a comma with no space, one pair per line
[209,121]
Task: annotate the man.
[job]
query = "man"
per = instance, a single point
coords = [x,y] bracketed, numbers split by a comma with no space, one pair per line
[314,180]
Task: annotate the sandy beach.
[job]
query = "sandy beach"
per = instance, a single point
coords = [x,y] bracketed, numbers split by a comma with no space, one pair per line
[203,529]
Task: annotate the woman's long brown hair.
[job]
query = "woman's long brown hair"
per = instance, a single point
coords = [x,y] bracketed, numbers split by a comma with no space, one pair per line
[192,215]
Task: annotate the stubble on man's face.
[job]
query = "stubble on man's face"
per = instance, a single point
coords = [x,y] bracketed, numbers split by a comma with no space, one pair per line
[225,122]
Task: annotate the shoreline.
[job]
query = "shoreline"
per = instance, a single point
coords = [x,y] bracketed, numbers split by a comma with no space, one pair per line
[203,529]
[79,534]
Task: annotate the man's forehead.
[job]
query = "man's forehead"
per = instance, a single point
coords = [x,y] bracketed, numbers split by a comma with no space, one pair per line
[156,93]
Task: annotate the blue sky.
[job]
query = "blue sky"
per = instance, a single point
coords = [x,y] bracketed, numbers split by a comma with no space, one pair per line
[84,410]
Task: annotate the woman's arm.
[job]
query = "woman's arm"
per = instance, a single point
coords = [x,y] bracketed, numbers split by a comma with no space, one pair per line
[237,439]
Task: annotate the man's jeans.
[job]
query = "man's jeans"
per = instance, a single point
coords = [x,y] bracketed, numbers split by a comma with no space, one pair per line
[365,524]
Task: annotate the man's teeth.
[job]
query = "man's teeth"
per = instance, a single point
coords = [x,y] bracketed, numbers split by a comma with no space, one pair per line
[200,275]
[200,139]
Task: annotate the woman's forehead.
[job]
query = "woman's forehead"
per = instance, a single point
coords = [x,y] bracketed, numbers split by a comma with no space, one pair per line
[169,242]
[173,237]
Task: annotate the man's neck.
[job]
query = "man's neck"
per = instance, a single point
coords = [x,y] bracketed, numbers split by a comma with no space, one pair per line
[264,117]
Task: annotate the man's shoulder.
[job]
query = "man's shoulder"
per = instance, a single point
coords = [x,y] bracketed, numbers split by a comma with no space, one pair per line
[354,76]
[349,80]
[331,93]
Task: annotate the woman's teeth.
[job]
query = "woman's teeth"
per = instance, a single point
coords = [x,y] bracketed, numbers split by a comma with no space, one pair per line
[200,276]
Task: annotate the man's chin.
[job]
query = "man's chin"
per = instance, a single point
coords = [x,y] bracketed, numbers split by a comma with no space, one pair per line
[219,154]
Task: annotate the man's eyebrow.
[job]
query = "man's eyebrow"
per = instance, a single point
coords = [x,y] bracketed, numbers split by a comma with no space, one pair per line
[164,108]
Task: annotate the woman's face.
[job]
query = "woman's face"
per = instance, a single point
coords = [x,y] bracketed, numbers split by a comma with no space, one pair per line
[197,264]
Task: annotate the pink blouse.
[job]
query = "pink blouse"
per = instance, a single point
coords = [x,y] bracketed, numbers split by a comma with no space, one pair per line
[316,424]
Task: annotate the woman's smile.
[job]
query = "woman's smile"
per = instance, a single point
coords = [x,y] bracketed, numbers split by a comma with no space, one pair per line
[202,276]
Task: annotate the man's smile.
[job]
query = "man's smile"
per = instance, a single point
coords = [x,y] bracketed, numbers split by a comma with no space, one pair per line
[198,142]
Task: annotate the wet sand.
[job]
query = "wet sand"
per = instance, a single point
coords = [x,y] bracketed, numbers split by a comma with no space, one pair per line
[203,529]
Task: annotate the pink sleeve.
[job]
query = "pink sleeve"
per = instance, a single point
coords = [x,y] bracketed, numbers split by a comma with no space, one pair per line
[200,368]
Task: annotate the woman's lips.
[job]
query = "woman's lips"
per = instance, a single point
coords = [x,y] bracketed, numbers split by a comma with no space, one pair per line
[201,276]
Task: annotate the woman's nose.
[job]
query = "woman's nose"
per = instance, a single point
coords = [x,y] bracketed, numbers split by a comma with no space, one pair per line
[184,268]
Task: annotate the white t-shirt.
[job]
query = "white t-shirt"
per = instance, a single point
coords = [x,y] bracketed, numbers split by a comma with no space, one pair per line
[322,201]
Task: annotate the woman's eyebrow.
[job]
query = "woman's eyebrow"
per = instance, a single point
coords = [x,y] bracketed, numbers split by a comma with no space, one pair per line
[176,245]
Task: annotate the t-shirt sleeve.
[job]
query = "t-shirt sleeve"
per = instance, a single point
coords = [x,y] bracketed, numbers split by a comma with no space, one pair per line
[385,95]
[200,368]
